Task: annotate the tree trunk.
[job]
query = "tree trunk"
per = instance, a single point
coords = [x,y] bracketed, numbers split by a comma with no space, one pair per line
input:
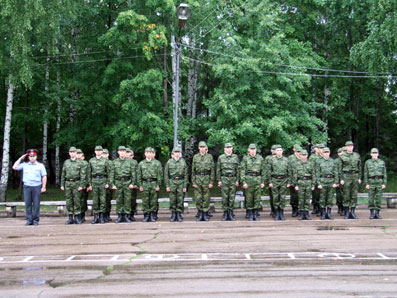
[57,128]
[45,125]
[6,141]
[165,85]
[378,114]
[24,143]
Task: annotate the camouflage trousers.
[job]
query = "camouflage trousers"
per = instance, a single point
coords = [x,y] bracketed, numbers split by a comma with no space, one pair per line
[304,195]
[279,191]
[98,195]
[123,197]
[134,194]
[228,191]
[339,197]
[109,195]
[73,197]
[202,193]
[375,194]
[327,195]
[150,197]
[176,196]
[84,198]
[350,191]
[253,193]
[294,199]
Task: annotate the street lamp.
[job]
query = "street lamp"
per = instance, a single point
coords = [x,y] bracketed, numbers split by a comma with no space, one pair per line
[183,14]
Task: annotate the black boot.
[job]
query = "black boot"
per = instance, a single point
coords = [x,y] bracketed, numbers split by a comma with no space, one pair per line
[200,216]
[179,217]
[132,218]
[342,211]
[339,209]
[276,214]
[225,216]
[353,213]
[315,210]
[126,218]
[77,219]
[272,211]
[146,217]
[70,220]
[372,214]
[246,213]
[281,214]
[231,215]
[301,215]
[173,216]
[377,216]
[106,217]
[250,215]
[101,219]
[206,216]
[153,217]
[119,218]
[255,214]
[323,215]
[209,214]
[95,220]
[156,215]
[318,214]
[82,217]
[329,216]
[307,216]
[347,212]
[109,218]
[294,212]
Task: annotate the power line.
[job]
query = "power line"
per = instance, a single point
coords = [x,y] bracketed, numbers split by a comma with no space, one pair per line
[80,54]
[286,65]
[300,74]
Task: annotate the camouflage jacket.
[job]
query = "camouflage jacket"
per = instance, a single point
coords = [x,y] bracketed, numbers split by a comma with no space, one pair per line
[99,167]
[326,171]
[303,173]
[149,170]
[292,161]
[375,171]
[175,169]
[278,167]
[349,162]
[203,164]
[253,165]
[122,169]
[227,165]
[74,169]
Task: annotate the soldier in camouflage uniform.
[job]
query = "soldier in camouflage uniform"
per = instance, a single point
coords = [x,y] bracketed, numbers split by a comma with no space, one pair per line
[318,150]
[350,178]
[303,177]
[150,172]
[73,182]
[327,180]
[227,173]
[99,172]
[253,177]
[267,158]
[292,160]
[203,175]
[130,155]
[176,179]
[339,197]
[375,179]
[84,192]
[279,181]
[122,179]
[109,192]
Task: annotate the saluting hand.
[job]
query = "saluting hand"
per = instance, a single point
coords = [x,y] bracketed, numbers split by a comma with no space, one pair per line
[367,186]
[62,188]
[210,186]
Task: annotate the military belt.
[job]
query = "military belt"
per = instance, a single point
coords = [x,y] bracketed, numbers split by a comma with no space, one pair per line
[376,177]
[305,178]
[327,176]
[177,178]
[73,180]
[279,176]
[228,175]
[123,178]
[99,176]
[350,172]
[202,173]
[253,174]
[150,179]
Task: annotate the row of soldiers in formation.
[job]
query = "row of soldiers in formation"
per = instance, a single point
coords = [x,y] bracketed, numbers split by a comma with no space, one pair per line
[315,179]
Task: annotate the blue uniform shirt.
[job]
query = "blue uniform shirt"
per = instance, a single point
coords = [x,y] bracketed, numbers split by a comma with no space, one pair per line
[32,173]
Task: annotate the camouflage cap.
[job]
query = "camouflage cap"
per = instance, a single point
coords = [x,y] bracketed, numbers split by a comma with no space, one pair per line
[202,144]
[227,145]
[315,145]
[321,146]
[252,146]
[343,148]
[106,151]
[128,149]
[273,147]
[296,147]
[176,149]
[303,152]
[72,149]
[79,151]
[98,148]
[349,143]
[121,148]
[149,149]
[278,146]
[374,150]
[340,150]
[326,149]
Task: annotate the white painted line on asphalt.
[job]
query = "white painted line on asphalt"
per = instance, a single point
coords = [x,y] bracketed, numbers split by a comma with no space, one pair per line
[204,257]
[27,259]
[115,258]
[70,258]
[291,255]
[382,255]
[247,256]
